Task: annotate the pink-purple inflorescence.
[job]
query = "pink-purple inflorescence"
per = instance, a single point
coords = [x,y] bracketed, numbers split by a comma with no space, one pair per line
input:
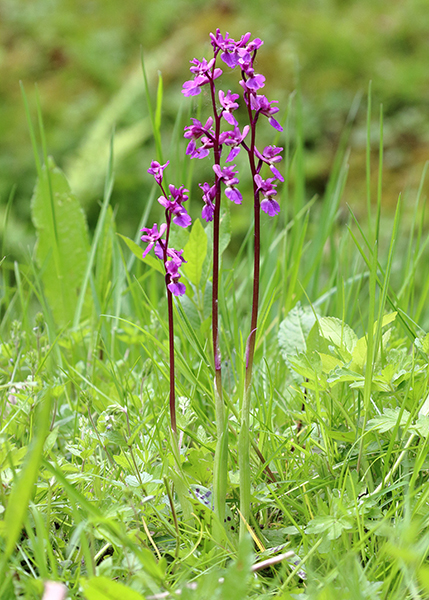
[174,212]
[207,137]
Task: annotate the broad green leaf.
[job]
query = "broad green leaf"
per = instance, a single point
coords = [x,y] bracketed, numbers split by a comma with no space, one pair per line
[333,527]
[359,354]
[386,320]
[329,363]
[294,330]
[388,420]
[138,251]
[338,332]
[102,588]
[62,242]
[422,426]
[194,253]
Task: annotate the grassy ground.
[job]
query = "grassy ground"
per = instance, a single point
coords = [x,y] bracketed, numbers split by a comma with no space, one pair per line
[96,493]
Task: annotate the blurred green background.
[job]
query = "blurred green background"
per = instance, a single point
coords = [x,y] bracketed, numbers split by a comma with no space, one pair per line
[84,56]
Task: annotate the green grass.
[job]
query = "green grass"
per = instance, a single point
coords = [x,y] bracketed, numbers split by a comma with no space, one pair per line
[93,490]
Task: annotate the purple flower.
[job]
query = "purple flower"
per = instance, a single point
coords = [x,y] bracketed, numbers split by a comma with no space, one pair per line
[208,197]
[197,131]
[267,187]
[176,288]
[236,53]
[253,83]
[228,176]
[152,236]
[234,139]
[203,74]
[262,106]
[173,204]
[271,155]
[228,104]
[199,152]
[157,170]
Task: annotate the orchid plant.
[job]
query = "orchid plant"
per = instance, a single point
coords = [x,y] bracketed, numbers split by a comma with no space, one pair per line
[221,132]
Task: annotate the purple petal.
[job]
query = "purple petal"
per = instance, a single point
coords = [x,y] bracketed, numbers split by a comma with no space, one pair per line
[229,118]
[182,220]
[275,124]
[270,206]
[234,195]
[233,153]
[207,213]
[177,289]
[276,173]
[190,88]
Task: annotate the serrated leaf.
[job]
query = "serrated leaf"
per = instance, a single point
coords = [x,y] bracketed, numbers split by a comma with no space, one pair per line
[331,526]
[62,242]
[422,426]
[122,461]
[388,420]
[294,330]
[194,253]
[102,588]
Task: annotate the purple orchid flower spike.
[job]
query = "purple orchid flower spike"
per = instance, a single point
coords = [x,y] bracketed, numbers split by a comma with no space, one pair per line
[172,259]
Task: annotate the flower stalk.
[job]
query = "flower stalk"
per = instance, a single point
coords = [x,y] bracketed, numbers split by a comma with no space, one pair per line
[172,260]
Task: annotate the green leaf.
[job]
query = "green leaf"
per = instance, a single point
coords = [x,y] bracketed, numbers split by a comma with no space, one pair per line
[138,251]
[22,489]
[338,332]
[331,526]
[102,588]
[195,252]
[103,268]
[294,330]
[62,242]
[388,420]
[329,363]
